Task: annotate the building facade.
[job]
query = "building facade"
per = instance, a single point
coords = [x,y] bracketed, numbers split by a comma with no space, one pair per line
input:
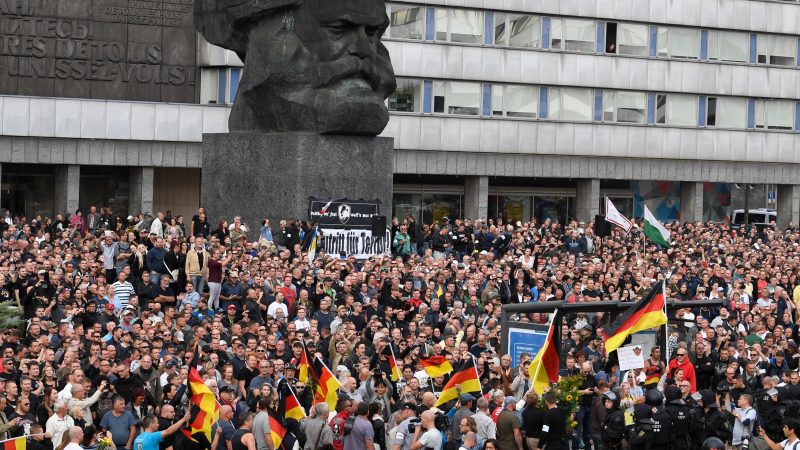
[515,108]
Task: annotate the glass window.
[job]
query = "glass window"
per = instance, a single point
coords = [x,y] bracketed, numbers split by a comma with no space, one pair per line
[209,85]
[554,208]
[728,46]
[515,100]
[570,104]
[726,112]
[572,34]
[459,25]
[676,109]
[456,97]
[406,22]
[776,50]
[624,107]
[517,30]
[675,42]
[407,97]
[437,206]
[775,114]
[626,39]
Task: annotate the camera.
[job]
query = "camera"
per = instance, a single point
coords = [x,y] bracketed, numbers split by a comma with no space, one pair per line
[412,425]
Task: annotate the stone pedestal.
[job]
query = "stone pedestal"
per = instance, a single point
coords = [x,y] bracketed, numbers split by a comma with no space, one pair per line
[257,175]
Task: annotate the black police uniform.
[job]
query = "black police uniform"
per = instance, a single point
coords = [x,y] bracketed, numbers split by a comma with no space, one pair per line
[613,429]
[680,414]
[712,423]
[640,438]
[554,430]
[662,429]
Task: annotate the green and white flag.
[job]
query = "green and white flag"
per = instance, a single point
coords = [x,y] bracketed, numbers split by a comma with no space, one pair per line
[654,230]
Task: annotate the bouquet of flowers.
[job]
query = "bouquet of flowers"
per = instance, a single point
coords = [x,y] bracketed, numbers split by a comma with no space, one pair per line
[566,391]
[104,443]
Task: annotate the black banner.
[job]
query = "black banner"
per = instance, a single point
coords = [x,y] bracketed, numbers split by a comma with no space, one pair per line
[343,213]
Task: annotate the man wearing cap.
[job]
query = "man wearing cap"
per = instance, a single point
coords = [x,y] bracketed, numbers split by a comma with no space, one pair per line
[402,438]
[232,291]
[467,401]
[509,433]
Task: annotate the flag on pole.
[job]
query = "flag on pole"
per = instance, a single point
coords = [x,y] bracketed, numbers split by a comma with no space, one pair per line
[544,368]
[304,366]
[282,439]
[204,411]
[465,380]
[326,385]
[654,229]
[436,366]
[19,443]
[647,313]
[312,248]
[288,405]
[392,363]
[614,216]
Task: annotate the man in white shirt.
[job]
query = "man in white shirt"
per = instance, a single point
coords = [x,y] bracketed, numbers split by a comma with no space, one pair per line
[59,422]
[301,323]
[276,306]
[790,429]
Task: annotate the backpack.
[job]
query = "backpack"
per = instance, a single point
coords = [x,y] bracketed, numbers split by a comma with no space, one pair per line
[147,221]
[348,425]
[104,405]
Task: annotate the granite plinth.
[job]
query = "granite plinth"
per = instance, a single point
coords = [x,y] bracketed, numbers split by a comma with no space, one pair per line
[257,175]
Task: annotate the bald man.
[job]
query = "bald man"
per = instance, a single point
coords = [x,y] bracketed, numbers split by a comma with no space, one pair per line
[225,424]
[75,438]
[426,435]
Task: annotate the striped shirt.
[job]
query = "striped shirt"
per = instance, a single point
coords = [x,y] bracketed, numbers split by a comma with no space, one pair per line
[123,292]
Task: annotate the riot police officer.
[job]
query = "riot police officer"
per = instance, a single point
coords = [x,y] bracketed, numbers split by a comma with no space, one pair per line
[613,428]
[662,422]
[711,421]
[681,418]
[641,436]
[713,443]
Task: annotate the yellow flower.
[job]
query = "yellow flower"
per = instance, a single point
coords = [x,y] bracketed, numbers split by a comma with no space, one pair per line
[569,398]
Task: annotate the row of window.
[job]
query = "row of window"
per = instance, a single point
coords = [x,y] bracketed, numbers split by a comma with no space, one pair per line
[504,29]
[587,105]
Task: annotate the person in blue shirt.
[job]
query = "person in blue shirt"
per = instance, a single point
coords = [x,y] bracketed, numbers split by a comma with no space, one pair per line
[151,437]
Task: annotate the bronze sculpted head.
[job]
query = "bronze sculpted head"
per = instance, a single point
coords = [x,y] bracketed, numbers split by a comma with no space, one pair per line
[310,65]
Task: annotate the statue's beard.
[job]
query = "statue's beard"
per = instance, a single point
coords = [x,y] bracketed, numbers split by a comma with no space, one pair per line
[343,96]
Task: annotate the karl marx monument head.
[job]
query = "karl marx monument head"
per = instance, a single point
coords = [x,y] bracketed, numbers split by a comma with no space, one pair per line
[310,65]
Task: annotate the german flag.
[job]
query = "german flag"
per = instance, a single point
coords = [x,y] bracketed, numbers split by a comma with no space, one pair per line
[436,366]
[204,411]
[326,385]
[544,369]
[288,406]
[645,314]
[463,381]
[19,443]
[304,366]
[392,362]
[281,438]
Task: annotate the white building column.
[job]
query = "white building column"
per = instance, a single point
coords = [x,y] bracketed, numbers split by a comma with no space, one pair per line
[476,197]
[587,199]
[140,190]
[788,205]
[691,201]
[68,188]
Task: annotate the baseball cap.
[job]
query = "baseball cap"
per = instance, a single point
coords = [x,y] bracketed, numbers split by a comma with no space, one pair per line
[109,307]
[509,400]
[467,397]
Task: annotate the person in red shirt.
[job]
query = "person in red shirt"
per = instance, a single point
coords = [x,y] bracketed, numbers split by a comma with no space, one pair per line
[682,360]
[344,408]
[289,294]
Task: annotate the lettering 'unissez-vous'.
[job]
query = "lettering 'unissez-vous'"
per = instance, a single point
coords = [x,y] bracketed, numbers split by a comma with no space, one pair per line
[101,42]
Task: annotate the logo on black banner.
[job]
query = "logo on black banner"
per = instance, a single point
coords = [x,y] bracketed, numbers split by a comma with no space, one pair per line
[344,213]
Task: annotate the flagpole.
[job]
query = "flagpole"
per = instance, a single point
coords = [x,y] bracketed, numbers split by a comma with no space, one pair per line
[666,323]
[477,375]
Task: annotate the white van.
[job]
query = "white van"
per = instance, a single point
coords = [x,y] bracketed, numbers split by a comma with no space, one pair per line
[759,216]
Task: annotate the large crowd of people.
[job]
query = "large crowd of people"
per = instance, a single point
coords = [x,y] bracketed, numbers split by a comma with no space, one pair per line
[113,312]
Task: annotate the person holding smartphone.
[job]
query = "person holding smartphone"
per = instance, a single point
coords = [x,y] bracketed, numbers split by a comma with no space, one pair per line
[791,428]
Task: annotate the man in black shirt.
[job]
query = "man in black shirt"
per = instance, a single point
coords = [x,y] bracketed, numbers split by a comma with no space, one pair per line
[584,416]
[554,433]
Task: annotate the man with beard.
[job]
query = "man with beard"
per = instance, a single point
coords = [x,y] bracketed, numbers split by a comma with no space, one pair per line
[352,73]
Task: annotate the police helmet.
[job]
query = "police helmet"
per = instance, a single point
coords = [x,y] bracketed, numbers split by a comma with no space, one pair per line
[613,397]
[654,397]
[713,443]
[641,413]
[672,393]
